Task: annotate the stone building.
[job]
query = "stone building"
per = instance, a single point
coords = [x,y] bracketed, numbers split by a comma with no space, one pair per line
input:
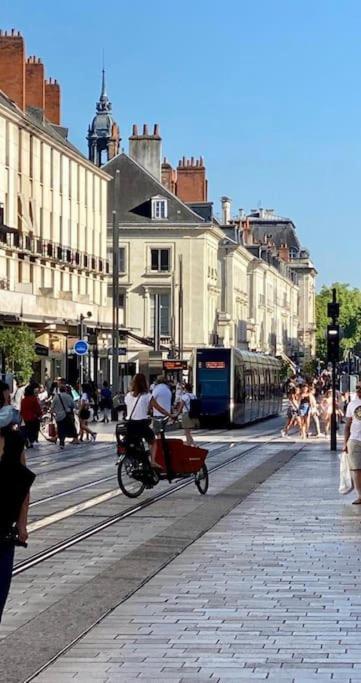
[53,259]
[264,230]
[211,287]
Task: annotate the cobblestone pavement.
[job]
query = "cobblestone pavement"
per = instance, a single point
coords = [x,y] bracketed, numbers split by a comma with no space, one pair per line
[54,602]
[271,592]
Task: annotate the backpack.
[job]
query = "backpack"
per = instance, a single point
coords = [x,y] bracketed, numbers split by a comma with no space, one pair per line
[194,408]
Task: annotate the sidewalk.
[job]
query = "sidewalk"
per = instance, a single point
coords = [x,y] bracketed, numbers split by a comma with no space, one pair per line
[272,592]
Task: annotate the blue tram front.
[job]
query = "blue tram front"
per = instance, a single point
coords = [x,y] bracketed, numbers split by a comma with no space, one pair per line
[236,386]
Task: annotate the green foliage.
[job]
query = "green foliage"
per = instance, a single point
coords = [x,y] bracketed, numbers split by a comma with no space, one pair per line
[18,344]
[350,318]
[309,368]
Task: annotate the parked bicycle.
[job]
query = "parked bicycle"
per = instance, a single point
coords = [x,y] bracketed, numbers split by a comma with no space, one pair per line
[175,460]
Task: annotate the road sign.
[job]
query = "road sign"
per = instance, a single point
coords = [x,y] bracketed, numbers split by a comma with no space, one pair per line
[81,347]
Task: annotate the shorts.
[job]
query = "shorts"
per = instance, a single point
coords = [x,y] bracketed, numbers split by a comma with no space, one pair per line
[158,425]
[140,429]
[292,412]
[354,454]
[189,422]
[303,410]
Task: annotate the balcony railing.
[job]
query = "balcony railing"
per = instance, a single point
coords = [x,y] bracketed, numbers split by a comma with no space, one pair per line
[52,250]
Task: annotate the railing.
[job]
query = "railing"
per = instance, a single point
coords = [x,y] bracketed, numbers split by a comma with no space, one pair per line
[58,252]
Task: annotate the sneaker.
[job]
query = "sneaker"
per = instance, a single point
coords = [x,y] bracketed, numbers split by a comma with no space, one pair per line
[283,433]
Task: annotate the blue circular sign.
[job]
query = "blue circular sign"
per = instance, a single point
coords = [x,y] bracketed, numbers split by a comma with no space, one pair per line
[81,347]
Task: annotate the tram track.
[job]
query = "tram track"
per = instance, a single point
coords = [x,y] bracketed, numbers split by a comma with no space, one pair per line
[128,512]
[80,487]
[86,485]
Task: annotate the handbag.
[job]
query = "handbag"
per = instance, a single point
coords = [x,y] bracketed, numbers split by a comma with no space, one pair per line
[346,483]
[52,430]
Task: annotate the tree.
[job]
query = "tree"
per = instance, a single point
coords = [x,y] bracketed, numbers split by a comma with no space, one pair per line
[350,318]
[18,347]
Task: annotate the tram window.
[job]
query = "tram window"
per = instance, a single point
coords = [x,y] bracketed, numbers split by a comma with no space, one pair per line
[248,385]
[261,384]
[239,393]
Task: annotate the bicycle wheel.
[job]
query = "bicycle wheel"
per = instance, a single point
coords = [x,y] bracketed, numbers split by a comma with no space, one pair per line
[201,480]
[130,486]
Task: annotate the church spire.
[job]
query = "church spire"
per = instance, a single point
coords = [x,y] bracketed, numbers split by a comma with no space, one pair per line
[103,132]
[103,104]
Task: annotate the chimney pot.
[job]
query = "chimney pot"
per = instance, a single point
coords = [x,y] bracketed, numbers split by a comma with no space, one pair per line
[135,129]
[5,33]
[156,129]
[145,129]
[192,161]
[12,31]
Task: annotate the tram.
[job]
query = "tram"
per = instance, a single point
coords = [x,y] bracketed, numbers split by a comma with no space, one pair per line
[235,387]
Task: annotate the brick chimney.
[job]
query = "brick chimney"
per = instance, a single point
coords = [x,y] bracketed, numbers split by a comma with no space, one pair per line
[284,253]
[52,101]
[146,149]
[191,180]
[12,67]
[34,83]
[169,176]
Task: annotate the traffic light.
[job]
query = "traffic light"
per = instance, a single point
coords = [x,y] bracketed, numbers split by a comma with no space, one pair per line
[333,343]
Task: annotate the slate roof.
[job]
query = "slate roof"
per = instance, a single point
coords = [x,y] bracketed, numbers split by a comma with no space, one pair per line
[282,231]
[136,188]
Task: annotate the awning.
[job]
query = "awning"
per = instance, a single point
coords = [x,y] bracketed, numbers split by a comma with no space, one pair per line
[41,350]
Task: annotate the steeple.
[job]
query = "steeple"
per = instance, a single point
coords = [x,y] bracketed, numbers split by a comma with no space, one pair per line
[103,132]
[103,104]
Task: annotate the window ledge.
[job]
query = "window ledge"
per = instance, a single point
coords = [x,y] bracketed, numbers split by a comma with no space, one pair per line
[157,273]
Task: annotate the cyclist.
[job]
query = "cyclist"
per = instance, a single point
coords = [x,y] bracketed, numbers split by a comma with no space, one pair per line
[139,401]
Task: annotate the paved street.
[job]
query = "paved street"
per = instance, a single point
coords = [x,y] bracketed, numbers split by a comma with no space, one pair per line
[257,580]
[271,592]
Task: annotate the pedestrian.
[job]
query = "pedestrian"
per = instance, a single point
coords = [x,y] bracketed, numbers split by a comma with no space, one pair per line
[314,411]
[15,482]
[139,402]
[304,409]
[42,394]
[163,396]
[352,441]
[84,414]
[106,402]
[30,411]
[63,409]
[292,415]
[184,408]
[18,394]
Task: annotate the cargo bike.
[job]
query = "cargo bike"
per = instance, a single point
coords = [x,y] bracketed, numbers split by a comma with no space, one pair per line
[175,459]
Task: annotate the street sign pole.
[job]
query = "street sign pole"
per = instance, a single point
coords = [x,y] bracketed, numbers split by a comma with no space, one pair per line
[81,359]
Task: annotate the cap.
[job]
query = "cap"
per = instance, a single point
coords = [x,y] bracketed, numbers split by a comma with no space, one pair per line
[7,416]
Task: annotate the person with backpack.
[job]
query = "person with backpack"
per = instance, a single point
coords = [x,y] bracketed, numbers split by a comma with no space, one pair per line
[189,411]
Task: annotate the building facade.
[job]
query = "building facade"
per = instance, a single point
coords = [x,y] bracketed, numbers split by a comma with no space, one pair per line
[53,203]
[211,287]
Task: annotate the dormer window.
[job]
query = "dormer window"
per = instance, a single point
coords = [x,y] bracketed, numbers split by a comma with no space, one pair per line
[159,208]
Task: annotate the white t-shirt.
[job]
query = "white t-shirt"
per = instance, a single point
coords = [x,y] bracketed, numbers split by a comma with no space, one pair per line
[163,396]
[17,397]
[141,412]
[354,411]
[187,398]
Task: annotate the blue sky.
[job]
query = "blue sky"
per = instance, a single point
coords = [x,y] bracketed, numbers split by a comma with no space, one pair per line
[268,91]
